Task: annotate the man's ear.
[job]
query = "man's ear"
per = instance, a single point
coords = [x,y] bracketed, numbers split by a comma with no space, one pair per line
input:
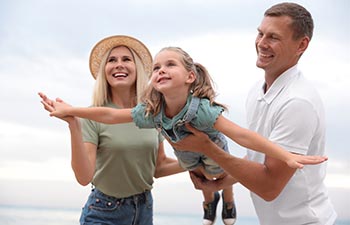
[304,43]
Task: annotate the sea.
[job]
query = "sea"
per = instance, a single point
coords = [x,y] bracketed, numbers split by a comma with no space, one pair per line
[24,215]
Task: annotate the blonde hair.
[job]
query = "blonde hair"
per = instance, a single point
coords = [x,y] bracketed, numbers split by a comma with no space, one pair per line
[102,91]
[202,87]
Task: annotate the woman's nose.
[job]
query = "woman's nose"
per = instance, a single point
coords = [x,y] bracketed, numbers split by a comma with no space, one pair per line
[119,64]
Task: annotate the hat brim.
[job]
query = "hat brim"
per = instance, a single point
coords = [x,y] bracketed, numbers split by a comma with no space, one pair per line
[103,46]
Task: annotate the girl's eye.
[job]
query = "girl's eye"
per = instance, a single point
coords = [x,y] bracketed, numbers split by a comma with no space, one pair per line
[127,59]
[155,68]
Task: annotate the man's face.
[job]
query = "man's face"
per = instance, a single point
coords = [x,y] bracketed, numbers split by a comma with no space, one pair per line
[276,49]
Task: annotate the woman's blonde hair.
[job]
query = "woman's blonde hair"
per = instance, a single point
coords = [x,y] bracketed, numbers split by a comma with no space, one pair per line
[202,87]
[102,91]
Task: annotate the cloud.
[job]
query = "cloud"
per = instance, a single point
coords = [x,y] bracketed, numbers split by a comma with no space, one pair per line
[45,46]
[21,143]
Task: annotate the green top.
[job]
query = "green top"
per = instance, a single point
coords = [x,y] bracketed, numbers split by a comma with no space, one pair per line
[126,156]
[203,119]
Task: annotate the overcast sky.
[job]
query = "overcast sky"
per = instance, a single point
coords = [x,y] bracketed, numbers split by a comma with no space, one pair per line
[45,45]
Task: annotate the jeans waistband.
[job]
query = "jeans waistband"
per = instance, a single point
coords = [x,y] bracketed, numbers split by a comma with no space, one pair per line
[137,197]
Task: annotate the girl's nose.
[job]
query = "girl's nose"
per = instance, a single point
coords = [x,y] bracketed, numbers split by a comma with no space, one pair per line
[161,70]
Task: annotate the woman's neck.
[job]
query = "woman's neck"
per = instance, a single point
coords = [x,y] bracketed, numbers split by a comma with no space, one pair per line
[124,98]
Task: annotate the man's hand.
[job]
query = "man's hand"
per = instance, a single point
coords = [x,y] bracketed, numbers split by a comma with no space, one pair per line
[194,142]
[201,183]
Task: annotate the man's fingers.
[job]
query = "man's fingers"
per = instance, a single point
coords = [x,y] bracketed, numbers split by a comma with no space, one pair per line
[190,128]
[196,180]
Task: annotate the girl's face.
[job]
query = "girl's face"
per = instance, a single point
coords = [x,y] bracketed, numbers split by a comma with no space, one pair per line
[120,68]
[169,75]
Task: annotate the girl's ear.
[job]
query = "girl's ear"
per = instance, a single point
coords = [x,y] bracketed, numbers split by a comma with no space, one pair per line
[191,77]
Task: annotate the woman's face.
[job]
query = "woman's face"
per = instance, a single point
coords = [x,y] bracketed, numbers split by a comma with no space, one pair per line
[120,68]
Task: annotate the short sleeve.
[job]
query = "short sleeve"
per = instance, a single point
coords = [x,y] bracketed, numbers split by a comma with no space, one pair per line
[295,125]
[89,131]
[138,114]
[207,114]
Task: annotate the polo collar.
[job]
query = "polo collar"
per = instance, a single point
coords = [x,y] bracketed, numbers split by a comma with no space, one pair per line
[278,85]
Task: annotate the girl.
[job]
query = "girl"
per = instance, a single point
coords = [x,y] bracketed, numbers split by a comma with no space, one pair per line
[181,92]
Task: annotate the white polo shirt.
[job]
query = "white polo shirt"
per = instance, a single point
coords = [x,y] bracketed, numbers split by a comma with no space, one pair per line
[291,115]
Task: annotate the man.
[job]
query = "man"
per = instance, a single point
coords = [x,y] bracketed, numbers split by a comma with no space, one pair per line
[286,109]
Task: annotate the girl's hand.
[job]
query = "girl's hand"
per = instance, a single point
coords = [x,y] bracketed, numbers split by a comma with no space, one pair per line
[49,105]
[298,161]
[61,109]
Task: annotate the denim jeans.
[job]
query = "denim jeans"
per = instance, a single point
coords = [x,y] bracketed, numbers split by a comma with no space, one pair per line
[107,210]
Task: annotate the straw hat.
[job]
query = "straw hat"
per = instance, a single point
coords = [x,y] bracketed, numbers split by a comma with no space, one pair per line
[103,46]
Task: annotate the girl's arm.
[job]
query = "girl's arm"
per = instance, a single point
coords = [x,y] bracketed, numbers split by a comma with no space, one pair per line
[254,141]
[166,166]
[99,114]
[266,180]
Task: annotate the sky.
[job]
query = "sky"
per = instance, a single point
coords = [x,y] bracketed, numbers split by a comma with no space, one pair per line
[45,46]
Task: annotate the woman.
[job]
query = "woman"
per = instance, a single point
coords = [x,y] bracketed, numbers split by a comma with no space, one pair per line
[119,160]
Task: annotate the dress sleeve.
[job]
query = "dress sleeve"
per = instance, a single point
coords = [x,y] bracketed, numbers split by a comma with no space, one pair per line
[138,114]
[207,114]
